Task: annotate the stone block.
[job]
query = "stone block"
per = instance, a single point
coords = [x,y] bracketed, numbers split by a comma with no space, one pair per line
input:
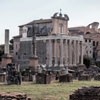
[2,77]
[43,78]
[65,78]
[84,77]
[97,77]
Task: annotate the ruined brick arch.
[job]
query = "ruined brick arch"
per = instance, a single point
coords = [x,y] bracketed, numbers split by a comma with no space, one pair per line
[88,32]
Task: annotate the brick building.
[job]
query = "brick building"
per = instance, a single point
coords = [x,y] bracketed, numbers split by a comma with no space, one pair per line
[91,34]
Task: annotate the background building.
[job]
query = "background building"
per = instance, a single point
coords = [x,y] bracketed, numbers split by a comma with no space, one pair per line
[91,34]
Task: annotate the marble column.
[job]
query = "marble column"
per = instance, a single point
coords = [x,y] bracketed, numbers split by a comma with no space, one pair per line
[50,53]
[82,53]
[66,52]
[55,53]
[70,52]
[74,62]
[47,52]
[61,52]
[77,54]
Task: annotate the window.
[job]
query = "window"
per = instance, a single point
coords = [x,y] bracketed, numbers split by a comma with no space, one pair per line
[85,40]
[97,43]
[61,28]
[24,53]
[16,53]
[18,57]
[87,52]
[93,43]
[89,40]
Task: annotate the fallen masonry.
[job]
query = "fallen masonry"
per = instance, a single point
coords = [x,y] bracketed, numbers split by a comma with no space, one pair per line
[86,93]
[14,96]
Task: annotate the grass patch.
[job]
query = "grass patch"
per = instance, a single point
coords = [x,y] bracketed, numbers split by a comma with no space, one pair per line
[53,91]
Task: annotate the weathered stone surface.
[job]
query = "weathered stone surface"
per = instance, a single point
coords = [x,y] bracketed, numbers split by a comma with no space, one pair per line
[86,93]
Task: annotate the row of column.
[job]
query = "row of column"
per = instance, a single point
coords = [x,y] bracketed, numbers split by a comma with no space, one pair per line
[66,52]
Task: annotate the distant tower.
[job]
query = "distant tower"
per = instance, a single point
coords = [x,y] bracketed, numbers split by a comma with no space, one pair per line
[6,51]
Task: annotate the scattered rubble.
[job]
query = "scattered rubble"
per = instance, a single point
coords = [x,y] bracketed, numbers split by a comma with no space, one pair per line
[14,96]
[97,77]
[86,93]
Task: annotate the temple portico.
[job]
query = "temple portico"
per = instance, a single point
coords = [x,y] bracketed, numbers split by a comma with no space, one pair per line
[63,50]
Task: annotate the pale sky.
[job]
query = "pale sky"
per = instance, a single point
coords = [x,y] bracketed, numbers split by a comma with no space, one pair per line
[17,12]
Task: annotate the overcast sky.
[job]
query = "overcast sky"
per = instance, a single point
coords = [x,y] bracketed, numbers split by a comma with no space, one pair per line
[17,12]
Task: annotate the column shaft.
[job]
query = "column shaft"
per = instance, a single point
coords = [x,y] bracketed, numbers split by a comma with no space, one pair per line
[50,53]
[61,52]
[78,51]
[74,53]
[66,52]
[70,51]
[82,53]
[55,52]
[47,52]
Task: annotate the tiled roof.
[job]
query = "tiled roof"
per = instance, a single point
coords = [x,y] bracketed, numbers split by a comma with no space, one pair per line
[38,22]
[18,36]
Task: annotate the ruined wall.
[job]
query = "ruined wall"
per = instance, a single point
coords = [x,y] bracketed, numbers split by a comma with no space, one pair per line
[25,52]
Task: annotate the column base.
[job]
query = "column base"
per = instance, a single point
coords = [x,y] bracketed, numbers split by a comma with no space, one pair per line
[70,65]
[55,65]
[74,65]
[66,64]
[66,70]
[61,65]
[50,65]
